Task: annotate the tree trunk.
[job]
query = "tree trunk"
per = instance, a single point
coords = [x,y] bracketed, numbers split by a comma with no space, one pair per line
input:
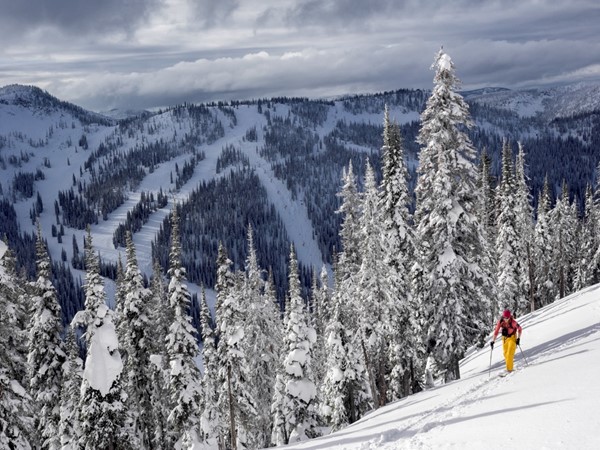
[531,267]
[231,412]
[371,375]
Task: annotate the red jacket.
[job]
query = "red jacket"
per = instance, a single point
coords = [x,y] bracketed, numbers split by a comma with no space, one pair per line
[509,327]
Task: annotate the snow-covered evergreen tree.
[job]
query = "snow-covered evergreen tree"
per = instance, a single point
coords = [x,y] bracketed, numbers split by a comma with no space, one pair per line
[563,226]
[487,208]
[210,423]
[236,396]
[298,399]
[161,316]
[345,394]
[397,249]
[524,227]
[16,416]
[545,289]
[135,323]
[376,294]
[262,340]
[509,268]
[455,284]
[182,348]
[349,233]
[45,355]
[69,426]
[587,244]
[101,410]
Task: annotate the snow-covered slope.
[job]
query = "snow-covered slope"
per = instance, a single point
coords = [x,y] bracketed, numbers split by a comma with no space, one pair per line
[550,402]
[548,104]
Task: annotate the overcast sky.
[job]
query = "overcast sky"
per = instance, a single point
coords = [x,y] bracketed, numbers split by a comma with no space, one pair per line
[102,54]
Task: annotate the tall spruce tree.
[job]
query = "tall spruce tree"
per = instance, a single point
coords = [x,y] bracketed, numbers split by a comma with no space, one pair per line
[236,393]
[299,399]
[161,317]
[344,394]
[397,246]
[589,265]
[182,348]
[101,410]
[69,426]
[376,295]
[507,240]
[210,422]
[135,324]
[545,287]
[16,415]
[45,350]
[454,282]
[524,224]
[563,226]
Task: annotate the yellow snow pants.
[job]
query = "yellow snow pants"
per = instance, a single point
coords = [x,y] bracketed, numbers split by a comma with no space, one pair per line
[509,346]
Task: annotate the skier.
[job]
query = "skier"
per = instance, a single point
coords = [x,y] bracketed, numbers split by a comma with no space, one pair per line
[511,337]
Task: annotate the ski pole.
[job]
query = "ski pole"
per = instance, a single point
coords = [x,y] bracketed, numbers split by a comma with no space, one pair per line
[523,355]
[490,370]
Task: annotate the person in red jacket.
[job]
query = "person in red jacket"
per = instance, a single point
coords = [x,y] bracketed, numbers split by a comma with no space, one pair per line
[511,337]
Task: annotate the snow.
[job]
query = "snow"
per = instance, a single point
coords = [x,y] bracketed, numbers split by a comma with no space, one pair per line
[303,389]
[103,364]
[549,402]
[3,249]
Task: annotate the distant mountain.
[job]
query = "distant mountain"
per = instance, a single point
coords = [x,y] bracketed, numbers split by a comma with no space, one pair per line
[39,100]
[275,164]
[548,103]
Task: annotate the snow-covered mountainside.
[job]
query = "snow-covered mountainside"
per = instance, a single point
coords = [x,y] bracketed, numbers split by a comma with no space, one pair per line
[550,402]
[275,164]
[548,104]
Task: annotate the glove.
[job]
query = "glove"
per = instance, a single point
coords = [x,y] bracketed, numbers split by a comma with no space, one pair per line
[492,344]
[518,341]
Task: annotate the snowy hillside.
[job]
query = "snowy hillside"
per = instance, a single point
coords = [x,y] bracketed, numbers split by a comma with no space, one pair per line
[550,402]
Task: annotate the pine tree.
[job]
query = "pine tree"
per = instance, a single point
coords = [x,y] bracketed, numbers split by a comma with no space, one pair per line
[262,335]
[69,426]
[349,229]
[487,208]
[545,290]
[210,422]
[135,323]
[507,241]
[397,246]
[299,399]
[524,227]
[584,271]
[376,292]
[236,399]
[345,394]
[161,316]
[16,416]
[562,225]
[182,347]
[45,355]
[454,264]
[101,410]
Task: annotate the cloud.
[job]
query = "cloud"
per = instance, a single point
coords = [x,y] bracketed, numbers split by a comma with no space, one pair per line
[75,16]
[150,53]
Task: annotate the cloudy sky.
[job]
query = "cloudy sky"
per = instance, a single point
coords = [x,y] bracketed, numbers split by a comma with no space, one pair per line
[102,54]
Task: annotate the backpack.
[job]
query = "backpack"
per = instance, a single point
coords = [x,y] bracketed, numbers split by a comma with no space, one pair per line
[508,328]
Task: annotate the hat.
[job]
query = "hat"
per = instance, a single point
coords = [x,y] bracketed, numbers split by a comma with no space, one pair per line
[506,313]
